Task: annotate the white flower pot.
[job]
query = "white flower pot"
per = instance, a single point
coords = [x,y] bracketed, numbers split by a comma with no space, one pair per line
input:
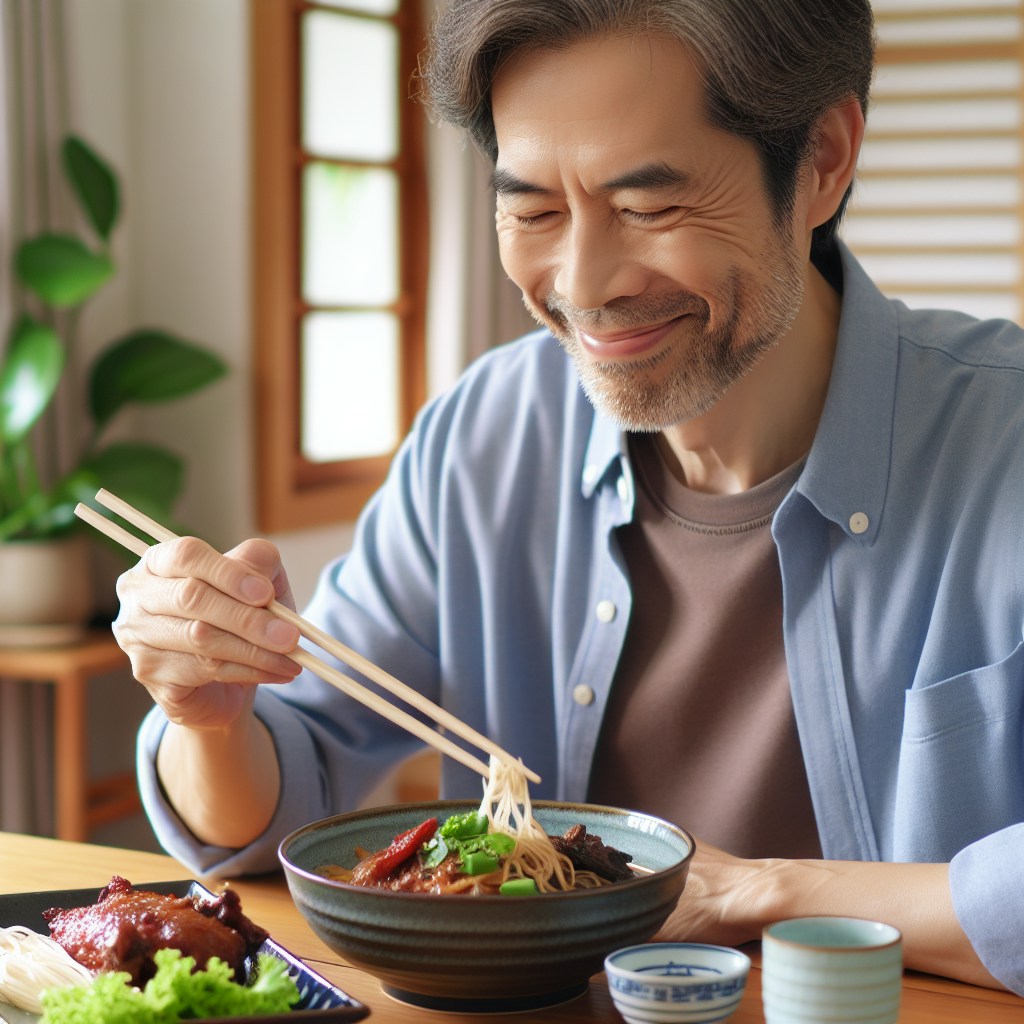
[46,590]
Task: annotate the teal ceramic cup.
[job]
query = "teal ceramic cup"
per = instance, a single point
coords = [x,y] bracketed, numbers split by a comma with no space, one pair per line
[840,969]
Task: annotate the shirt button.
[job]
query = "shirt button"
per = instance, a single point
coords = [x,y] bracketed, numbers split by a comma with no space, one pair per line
[606,611]
[583,694]
[623,488]
[859,522]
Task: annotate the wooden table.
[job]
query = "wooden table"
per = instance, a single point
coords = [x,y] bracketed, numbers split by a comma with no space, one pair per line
[28,864]
[81,805]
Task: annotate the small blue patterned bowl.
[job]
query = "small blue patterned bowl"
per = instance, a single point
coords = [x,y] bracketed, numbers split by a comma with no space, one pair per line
[676,982]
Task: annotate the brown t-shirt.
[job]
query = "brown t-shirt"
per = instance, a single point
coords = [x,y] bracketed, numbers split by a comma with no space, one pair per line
[699,728]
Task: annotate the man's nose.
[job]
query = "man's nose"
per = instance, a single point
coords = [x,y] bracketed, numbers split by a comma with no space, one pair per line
[594,266]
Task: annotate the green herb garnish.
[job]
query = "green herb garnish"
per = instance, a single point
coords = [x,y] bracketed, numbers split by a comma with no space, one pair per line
[466,835]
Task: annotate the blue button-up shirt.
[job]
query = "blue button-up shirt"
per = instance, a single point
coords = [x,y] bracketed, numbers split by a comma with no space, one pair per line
[477,572]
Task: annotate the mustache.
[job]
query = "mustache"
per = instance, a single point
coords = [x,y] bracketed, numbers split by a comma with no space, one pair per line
[626,313]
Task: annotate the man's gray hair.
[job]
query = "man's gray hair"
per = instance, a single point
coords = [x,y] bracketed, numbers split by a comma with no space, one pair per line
[771,68]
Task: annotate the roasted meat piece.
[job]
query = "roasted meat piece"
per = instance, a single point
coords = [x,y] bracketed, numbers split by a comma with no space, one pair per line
[122,930]
[589,853]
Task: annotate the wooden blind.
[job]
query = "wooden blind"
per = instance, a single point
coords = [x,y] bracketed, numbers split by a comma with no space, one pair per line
[937,212]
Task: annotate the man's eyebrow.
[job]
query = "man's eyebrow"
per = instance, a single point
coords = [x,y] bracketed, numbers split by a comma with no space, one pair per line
[506,183]
[649,176]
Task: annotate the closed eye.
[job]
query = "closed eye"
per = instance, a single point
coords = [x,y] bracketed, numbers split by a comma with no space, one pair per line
[651,217]
[531,220]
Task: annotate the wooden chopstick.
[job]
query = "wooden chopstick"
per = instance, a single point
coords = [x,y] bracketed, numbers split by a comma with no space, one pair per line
[332,645]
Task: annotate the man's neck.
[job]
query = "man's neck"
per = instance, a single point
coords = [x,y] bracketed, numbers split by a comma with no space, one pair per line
[767,420]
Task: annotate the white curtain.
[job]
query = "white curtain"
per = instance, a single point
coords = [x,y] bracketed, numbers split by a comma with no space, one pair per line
[33,118]
[473,306]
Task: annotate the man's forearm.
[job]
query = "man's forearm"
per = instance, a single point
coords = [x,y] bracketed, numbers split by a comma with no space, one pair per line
[223,783]
[729,900]
[913,897]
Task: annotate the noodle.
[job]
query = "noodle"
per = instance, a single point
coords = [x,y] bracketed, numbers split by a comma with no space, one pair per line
[507,808]
[31,963]
[506,802]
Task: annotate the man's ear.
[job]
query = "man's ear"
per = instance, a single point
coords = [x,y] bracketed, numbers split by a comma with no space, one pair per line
[839,136]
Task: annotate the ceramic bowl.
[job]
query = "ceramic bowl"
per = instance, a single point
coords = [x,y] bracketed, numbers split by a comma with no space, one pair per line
[676,982]
[484,953]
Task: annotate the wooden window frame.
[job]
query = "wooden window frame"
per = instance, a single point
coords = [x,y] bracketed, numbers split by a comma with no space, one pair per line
[293,492]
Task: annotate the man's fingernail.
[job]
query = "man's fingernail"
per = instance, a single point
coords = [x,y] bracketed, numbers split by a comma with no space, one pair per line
[254,588]
[281,633]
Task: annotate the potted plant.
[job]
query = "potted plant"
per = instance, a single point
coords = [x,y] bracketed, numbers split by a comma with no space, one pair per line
[62,271]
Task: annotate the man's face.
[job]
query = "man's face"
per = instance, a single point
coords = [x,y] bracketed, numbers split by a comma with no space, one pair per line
[642,237]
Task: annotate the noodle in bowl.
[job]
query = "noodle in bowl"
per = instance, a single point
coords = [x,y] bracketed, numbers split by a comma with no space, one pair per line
[483,952]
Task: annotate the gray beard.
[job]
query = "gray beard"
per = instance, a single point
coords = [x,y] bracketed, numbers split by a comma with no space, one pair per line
[651,393]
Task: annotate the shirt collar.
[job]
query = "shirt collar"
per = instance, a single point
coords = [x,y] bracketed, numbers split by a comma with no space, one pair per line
[847,470]
[606,446]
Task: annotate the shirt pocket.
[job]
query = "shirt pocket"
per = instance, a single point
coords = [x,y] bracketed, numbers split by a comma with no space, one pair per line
[961,768]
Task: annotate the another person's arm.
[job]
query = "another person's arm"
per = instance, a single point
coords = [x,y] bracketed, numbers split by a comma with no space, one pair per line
[729,900]
[200,639]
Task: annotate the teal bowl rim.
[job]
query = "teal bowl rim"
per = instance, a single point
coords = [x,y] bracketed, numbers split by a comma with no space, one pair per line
[774,932]
[740,970]
[369,892]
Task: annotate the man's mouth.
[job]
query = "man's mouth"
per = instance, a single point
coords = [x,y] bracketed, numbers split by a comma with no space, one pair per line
[628,343]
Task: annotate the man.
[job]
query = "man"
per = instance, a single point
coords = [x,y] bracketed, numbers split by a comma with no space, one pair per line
[765,581]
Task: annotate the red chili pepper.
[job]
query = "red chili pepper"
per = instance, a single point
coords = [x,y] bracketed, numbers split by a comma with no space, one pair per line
[380,864]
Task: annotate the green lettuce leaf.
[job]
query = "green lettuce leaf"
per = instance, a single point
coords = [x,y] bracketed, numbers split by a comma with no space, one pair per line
[175,993]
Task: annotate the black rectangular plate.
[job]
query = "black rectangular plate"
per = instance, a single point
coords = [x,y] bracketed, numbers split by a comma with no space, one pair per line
[321,1002]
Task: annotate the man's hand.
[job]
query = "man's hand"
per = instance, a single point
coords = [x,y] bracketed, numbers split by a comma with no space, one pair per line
[195,626]
[722,903]
[728,901]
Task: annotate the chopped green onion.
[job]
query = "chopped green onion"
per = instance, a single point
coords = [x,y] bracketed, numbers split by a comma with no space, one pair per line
[499,844]
[518,887]
[479,863]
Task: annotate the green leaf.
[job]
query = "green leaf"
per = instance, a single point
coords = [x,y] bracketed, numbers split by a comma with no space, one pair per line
[149,366]
[57,515]
[29,377]
[145,475]
[94,184]
[61,270]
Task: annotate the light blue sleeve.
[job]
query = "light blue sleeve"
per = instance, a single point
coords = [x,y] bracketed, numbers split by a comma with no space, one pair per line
[987,883]
[302,798]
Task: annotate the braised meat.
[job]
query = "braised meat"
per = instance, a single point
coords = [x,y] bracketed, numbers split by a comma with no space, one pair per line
[122,930]
[588,853]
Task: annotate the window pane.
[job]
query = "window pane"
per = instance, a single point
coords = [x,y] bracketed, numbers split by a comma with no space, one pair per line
[983,153]
[350,87]
[924,32]
[935,230]
[898,194]
[350,236]
[965,77]
[370,6]
[949,269]
[349,375]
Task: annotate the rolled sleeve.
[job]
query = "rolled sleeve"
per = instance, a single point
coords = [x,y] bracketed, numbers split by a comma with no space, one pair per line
[987,883]
[301,799]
